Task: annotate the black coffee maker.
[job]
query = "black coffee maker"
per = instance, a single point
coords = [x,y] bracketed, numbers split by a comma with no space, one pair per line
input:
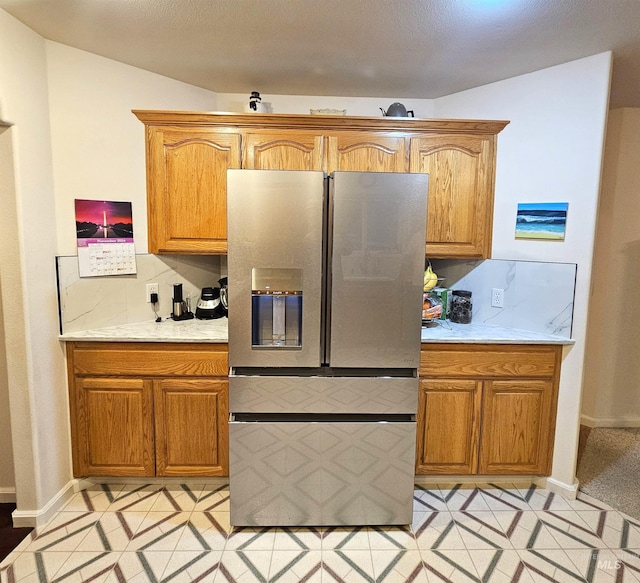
[213,302]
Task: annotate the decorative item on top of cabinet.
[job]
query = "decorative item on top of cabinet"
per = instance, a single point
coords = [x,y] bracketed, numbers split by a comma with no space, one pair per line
[143,409]
[487,409]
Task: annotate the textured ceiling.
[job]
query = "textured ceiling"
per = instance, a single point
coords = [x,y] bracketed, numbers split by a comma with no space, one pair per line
[382,48]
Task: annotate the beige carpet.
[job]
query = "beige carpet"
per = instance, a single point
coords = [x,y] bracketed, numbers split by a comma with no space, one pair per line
[609,469]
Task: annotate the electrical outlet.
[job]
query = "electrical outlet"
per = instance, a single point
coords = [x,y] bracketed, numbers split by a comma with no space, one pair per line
[497,297]
[152,288]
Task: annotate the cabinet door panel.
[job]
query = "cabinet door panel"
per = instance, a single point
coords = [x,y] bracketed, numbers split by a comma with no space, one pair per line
[186,185]
[516,427]
[366,152]
[191,427]
[448,417]
[282,150]
[460,206]
[115,427]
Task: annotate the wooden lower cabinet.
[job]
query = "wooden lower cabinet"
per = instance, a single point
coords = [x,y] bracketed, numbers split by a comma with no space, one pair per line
[190,416]
[142,409]
[114,427]
[487,409]
[517,426]
[448,426]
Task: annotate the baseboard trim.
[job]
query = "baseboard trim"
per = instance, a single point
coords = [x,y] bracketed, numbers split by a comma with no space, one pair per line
[568,491]
[7,495]
[474,479]
[37,518]
[610,421]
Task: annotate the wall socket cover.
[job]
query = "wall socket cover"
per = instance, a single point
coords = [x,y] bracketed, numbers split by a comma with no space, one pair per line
[152,288]
[497,297]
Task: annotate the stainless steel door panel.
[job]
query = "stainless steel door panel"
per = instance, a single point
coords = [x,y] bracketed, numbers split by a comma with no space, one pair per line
[306,474]
[263,235]
[275,394]
[377,264]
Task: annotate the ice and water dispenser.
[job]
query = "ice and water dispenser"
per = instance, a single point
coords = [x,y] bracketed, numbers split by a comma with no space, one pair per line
[276,308]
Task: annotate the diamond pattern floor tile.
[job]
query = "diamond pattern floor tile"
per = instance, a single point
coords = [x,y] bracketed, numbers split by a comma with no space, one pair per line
[350,566]
[450,565]
[390,566]
[293,566]
[298,539]
[517,533]
[500,565]
[436,530]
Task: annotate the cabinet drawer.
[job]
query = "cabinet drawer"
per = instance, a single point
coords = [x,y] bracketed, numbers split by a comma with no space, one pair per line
[141,359]
[474,361]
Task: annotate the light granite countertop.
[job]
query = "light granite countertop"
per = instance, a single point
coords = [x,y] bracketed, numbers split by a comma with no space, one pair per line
[217,331]
[167,330]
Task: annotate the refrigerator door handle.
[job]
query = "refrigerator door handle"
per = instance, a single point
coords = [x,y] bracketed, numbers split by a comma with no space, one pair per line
[326,270]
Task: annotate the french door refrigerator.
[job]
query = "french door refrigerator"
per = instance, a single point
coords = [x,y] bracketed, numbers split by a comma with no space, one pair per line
[325,299]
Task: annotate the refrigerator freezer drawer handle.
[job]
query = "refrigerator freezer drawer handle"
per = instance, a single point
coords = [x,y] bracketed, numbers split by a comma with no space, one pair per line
[321,418]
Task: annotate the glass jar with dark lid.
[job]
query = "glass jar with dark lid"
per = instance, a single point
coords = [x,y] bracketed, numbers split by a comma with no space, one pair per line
[461,306]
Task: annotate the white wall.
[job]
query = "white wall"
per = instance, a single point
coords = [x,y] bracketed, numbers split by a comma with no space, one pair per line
[612,367]
[98,151]
[98,144]
[7,194]
[551,151]
[35,363]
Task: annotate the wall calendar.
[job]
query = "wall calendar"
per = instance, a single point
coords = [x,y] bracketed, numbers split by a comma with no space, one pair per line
[104,230]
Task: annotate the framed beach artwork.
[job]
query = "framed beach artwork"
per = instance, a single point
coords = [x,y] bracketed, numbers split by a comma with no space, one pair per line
[541,220]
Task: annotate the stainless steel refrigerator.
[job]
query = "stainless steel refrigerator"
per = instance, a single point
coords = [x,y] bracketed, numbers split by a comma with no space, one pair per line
[325,299]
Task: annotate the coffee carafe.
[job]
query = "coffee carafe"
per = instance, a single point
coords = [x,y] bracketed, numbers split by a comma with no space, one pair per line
[224,295]
[181,307]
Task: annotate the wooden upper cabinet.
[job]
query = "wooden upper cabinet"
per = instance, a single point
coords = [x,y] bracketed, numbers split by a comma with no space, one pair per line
[188,154]
[366,152]
[187,188]
[283,150]
[461,188]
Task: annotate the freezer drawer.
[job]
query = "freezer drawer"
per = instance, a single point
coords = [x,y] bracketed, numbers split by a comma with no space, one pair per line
[317,394]
[323,472]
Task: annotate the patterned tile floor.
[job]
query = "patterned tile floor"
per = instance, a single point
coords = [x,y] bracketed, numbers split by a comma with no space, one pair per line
[460,533]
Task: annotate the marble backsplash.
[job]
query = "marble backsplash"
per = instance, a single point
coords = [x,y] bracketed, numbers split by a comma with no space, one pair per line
[97,302]
[538,296]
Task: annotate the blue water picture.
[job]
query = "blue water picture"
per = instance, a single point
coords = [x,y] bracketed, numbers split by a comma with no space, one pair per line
[541,220]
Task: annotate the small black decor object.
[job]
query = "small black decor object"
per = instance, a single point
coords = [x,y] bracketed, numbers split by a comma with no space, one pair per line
[255,100]
[461,306]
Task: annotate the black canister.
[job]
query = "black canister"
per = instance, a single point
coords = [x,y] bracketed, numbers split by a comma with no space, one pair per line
[461,306]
